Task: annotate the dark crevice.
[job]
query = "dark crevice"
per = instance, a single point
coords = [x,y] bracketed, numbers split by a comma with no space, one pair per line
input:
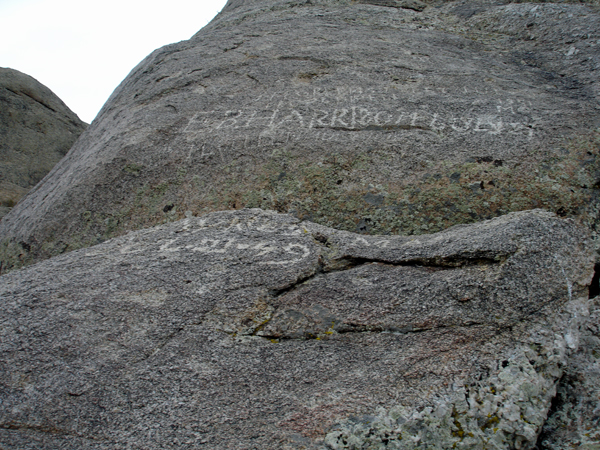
[556,404]
[233,46]
[436,263]
[415,6]
[349,262]
[595,284]
[325,266]
[275,293]
[379,128]
[32,98]
[354,328]
[363,329]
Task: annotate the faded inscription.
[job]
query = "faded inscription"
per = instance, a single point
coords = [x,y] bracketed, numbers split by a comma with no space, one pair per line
[293,252]
[354,118]
[225,240]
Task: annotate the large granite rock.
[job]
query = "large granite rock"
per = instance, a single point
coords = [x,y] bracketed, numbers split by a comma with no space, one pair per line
[370,116]
[250,329]
[375,116]
[36,130]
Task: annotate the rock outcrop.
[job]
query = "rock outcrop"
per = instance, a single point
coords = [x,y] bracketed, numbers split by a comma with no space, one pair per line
[251,329]
[366,116]
[36,130]
[574,419]
[371,116]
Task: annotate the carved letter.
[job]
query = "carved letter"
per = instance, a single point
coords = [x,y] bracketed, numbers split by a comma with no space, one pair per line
[230,122]
[293,115]
[337,116]
[378,121]
[464,128]
[319,120]
[365,117]
[433,126]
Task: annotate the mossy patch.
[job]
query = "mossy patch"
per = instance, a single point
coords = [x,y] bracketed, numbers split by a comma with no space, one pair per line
[342,192]
[338,192]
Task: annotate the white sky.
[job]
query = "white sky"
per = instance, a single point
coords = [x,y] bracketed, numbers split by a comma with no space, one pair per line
[82,50]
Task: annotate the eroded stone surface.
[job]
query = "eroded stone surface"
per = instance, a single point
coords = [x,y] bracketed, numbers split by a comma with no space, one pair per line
[362,116]
[373,116]
[36,130]
[251,329]
[574,420]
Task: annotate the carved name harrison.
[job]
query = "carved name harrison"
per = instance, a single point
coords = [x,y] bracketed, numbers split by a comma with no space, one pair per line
[356,118]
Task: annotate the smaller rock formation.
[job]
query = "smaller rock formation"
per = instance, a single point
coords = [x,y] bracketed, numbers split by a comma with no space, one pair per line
[36,130]
[251,329]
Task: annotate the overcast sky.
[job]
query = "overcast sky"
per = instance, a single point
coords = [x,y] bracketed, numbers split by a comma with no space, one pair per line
[82,50]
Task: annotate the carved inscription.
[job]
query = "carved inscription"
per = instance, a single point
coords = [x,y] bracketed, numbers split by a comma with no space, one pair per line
[293,252]
[227,238]
[354,118]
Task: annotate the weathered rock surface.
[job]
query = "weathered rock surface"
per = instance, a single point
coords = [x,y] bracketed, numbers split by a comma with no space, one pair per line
[366,116]
[574,420]
[376,116]
[36,130]
[251,329]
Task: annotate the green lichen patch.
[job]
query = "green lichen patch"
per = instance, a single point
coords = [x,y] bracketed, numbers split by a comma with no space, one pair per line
[133,169]
[344,192]
[340,192]
[502,412]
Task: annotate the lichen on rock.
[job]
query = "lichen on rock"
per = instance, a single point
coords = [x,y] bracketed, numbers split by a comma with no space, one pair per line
[504,409]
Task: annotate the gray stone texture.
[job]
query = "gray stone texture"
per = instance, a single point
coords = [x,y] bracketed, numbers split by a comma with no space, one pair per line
[574,419]
[388,117]
[251,329]
[355,115]
[36,130]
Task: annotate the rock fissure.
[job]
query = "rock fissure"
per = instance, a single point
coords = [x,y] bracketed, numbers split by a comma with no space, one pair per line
[38,101]
[435,263]
[277,293]
[364,329]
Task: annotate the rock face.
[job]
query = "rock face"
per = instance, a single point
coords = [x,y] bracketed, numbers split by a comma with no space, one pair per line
[371,116]
[251,329]
[255,330]
[574,419]
[36,130]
